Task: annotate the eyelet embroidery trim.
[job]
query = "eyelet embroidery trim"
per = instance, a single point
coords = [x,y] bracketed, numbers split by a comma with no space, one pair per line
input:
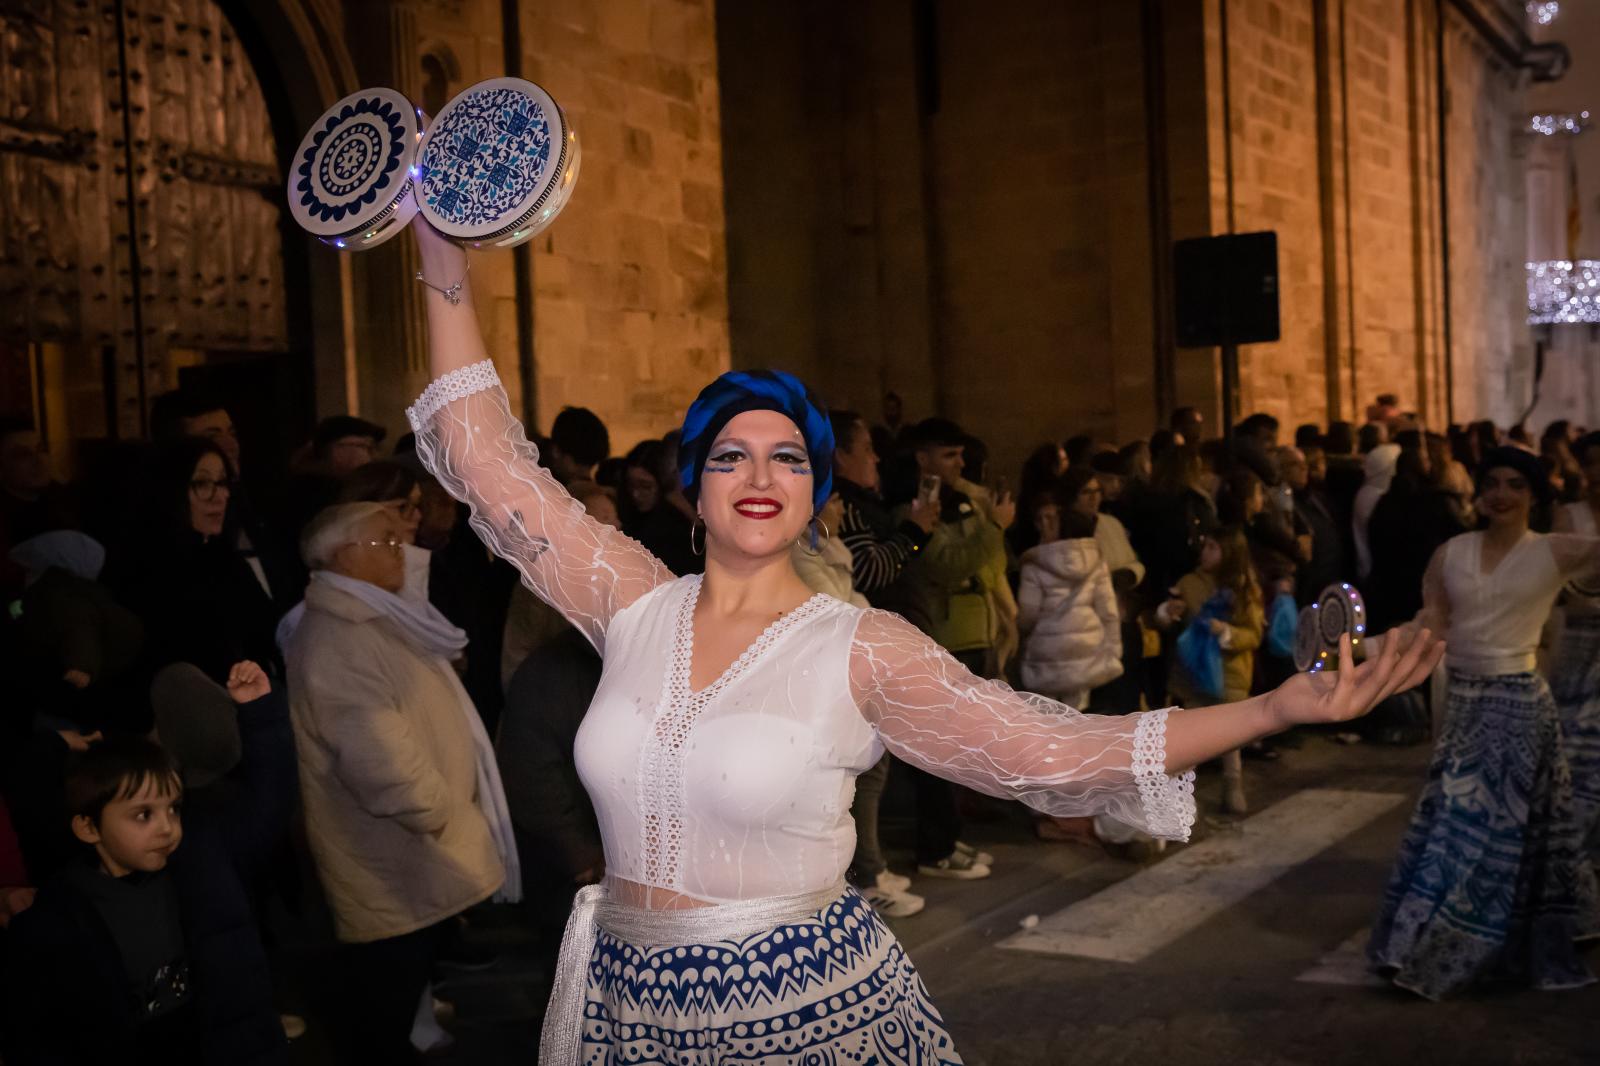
[1168,801]
[456,385]
[662,756]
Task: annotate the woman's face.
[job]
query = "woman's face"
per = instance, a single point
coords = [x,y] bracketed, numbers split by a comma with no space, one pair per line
[1062,462]
[756,488]
[376,553]
[407,511]
[1505,497]
[1255,501]
[643,489]
[1087,502]
[437,518]
[1047,522]
[1210,555]
[208,495]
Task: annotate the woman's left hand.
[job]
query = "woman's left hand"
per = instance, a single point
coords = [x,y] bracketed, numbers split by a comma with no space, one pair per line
[1406,659]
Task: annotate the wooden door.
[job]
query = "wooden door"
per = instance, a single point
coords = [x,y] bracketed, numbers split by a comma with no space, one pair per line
[140,203]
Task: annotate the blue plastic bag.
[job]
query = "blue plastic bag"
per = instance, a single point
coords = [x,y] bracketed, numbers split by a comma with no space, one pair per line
[1199,650]
[1283,622]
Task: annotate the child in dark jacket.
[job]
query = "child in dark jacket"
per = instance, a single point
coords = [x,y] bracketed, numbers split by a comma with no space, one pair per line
[145,951]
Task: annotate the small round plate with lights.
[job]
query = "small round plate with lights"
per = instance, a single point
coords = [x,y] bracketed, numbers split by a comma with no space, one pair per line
[351,179]
[498,164]
[1340,610]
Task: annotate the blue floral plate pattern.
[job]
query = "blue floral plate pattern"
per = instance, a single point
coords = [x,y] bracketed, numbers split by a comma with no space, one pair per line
[355,165]
[493,158]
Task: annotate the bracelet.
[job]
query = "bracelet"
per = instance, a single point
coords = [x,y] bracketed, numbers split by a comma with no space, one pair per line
[453,293]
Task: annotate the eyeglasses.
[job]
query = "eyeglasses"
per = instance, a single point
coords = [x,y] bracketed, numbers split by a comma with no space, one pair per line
[392,544]
[206,489]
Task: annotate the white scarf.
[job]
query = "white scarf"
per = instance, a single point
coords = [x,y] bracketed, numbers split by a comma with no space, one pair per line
[434,636]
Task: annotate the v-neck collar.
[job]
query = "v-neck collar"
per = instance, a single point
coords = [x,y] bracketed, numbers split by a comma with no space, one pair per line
[1483,541]
[683,658]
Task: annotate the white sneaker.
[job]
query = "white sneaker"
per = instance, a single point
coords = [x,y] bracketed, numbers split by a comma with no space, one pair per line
[894,904]
[982,858]
[893,883]
[956,866]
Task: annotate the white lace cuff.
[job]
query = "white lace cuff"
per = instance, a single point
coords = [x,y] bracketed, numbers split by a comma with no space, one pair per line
[1168,801]
[455,385]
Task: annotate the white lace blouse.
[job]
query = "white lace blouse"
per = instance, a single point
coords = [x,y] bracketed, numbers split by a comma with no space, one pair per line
[742,790]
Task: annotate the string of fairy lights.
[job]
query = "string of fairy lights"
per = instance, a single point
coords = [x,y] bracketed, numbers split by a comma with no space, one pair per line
[1563,291]
[1550,125]
[1543,13]
[1560,291]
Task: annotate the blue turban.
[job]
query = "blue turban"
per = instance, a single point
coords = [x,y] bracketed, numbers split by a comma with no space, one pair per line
[739,391]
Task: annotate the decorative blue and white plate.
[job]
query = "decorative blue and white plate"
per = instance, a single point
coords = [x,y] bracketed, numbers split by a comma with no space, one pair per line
[350,184]
[498,163]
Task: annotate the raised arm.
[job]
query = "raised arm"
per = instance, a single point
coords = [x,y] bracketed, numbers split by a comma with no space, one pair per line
[468,438]
[932,712]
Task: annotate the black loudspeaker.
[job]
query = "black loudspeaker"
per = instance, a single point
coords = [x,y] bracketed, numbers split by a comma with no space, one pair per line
[1226,289]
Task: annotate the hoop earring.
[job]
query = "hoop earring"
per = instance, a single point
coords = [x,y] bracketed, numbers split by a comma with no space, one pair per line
[700,550]
[815,541]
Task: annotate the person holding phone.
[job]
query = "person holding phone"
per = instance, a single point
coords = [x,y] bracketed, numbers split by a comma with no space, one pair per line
[950,572]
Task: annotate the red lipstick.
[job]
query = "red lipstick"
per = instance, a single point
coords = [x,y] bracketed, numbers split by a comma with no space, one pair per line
[758,507]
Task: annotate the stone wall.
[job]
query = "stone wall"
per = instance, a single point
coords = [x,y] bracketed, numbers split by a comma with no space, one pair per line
[630,311]
[1051,187]
[1271,66]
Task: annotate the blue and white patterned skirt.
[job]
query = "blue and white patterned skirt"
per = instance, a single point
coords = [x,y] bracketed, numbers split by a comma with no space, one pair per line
[831,990]
[1575,683]
[1490,882]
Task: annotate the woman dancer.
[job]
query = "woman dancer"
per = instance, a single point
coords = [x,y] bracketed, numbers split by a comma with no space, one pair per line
[1575,674]
[1490,881]
[734,712]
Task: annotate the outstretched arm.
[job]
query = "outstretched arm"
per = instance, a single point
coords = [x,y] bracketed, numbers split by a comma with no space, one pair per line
[933,713]
[1577,556]
[469,439]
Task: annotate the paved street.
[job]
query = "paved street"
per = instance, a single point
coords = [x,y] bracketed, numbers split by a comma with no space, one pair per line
[1242,948]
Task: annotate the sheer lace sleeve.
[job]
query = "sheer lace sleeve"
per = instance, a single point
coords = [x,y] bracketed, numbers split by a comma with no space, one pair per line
[469,440]
[933,713]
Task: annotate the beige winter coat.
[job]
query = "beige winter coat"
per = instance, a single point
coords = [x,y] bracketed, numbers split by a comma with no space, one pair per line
[387,774]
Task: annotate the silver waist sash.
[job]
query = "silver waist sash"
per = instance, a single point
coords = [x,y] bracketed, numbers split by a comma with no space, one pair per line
[561,1041]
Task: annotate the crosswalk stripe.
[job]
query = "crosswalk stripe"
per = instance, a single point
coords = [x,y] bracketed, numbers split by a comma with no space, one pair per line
[1345,965]
[1139,915]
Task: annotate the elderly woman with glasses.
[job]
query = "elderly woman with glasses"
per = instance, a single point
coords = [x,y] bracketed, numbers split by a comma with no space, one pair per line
[201,599]
[405,813]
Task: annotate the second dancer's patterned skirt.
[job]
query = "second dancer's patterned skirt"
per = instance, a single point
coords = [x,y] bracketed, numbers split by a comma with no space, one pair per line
[836,988]
[1491,882]
[1575,684]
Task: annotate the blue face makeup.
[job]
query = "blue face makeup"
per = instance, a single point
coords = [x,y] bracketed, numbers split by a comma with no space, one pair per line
[726,462]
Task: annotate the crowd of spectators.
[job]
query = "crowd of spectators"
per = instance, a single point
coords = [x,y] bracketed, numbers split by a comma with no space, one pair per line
[221,674]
